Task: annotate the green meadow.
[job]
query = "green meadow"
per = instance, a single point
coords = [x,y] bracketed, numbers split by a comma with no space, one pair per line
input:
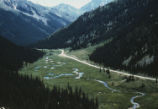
[53,69]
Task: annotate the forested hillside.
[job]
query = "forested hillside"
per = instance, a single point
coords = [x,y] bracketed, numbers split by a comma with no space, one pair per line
[13,57]
[131,24]
[135,49]
[103,23]
[24,92]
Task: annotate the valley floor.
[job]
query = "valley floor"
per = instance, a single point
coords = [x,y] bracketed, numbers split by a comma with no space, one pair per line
[113,92]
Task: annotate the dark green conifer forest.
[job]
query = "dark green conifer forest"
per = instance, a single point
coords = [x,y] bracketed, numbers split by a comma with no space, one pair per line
[25,92]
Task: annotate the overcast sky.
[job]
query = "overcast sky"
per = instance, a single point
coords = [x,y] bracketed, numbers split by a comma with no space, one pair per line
[75,3]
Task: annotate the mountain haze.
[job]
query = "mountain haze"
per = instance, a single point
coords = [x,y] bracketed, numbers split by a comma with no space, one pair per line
[94,4]
[66,11]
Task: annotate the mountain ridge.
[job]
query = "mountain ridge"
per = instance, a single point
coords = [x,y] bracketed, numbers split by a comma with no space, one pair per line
[37,22]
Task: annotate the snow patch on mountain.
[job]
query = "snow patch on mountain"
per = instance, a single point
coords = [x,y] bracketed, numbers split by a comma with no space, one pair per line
[14,4]
[66,11]
[37,21]
[5,7]
[37,17]
[146,60]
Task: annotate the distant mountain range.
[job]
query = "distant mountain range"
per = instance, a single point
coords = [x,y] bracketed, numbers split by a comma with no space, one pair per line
[25,23]
[66,11]
[89,28]
[94,4]
[131,25]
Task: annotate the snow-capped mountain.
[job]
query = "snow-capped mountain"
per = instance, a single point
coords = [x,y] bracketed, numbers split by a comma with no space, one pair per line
[23,6]
[66,11]
[94,4]
[24,22]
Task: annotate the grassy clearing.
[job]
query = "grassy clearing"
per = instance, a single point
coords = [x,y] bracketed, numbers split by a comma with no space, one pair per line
[107,98]
[85,52]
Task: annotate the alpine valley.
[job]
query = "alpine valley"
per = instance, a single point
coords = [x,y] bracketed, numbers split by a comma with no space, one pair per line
[101,56]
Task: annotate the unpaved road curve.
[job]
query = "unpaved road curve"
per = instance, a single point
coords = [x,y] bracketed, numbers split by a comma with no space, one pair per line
[95,66]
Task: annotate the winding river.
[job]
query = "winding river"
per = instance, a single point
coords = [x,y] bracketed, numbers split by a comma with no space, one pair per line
[135,104]
[80,74]
[106,85]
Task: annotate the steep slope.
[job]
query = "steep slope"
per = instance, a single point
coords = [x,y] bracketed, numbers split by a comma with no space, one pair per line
[94,27]
[12,57]
[134,49]
[26,23]
[88,26]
